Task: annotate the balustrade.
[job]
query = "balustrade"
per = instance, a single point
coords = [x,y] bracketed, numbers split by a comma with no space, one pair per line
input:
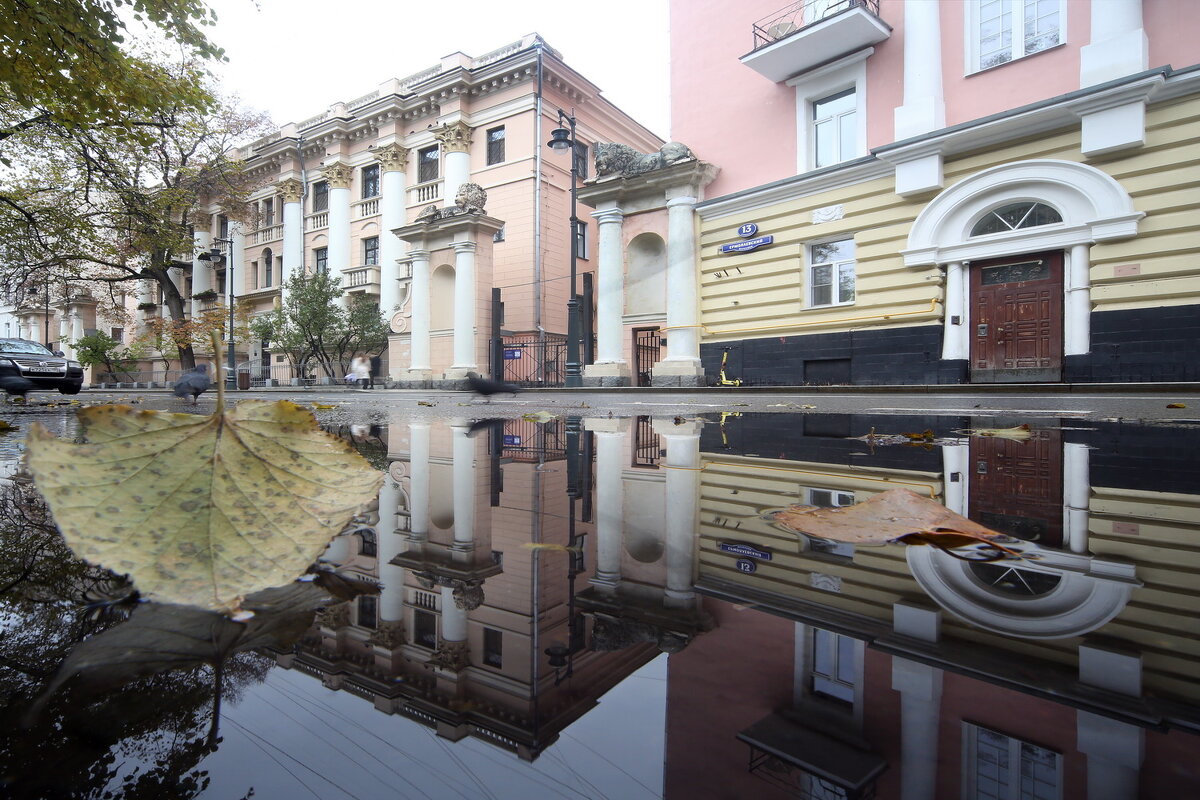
[425,193]
[268,234]
[315,221]
[366,208]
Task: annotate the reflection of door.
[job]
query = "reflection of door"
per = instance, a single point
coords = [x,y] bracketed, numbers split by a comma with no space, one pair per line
[1016,319]
[1016,486]
[647,349]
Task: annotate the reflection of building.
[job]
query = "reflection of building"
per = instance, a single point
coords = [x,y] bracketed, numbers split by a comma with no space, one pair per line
[908,670]
[473,632]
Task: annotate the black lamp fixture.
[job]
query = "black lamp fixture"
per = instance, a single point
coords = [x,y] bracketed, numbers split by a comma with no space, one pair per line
[563,138]
[215,257]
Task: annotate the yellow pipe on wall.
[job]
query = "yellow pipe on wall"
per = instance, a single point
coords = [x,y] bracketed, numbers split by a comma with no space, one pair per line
[932,307]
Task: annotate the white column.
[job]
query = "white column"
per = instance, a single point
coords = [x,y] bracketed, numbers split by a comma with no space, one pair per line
[418,487]
[201,241]
[455,141]
[1076,496]
[76,331]
[924,108]
[393,161]
[920,687]
[464,484]
[610,300]
[1118,46]
[458,172]
[418,354]
[610,506]
[464,309]
[955,342]
[292,193]
[682,510]
[391,592]
[339,550]
[682,363]
[338,176]
[64,330]
[1077,322]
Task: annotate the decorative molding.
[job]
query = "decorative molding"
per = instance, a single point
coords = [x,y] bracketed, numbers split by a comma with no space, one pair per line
[828,214]
[337,174]
[334,616]
[392,157]
[468,595]
[826,583]
[454,137]
[389,635]
[453,656]
[291,190]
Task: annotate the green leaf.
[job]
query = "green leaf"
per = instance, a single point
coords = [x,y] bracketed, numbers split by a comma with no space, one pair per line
[201,510]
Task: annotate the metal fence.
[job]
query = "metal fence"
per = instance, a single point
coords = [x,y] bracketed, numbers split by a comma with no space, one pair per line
[250,376]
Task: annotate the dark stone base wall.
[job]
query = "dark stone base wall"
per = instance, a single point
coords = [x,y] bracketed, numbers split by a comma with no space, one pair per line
[1141,345]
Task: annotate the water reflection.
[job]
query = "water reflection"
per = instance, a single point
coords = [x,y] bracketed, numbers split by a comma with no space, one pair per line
[526,569]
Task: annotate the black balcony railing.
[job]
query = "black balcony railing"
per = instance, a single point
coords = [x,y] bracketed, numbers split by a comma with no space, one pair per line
[800,15]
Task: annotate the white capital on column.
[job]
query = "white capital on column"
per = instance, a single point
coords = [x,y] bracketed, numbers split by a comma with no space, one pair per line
[419,341]
[610,508]
[610,304]
[464,305]
[464,484]
[683,338]
[418,488]
[391,248]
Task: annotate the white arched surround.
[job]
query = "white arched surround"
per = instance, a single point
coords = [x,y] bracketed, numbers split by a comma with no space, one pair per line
[1094,208]
[1090,592]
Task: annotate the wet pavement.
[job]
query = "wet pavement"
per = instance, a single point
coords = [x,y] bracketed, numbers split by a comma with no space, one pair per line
[595,595]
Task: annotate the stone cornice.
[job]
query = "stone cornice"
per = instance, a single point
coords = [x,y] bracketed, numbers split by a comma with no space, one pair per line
[685,178]
[392,157]
[454,137]
[337,174]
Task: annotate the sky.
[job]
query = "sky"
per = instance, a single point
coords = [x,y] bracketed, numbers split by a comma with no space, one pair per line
[293,58]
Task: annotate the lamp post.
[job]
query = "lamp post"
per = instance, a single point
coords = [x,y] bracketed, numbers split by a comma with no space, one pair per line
[563,138]
[214,257]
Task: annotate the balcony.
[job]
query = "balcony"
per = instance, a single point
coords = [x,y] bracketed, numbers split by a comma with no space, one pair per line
[268,233]
[809,33]
[425,193]
[317,221]
[366,208]
[361,279]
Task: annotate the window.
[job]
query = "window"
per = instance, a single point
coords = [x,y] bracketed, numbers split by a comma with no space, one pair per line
[367,544]
[427,164]
[268,212]
[117,335]
[581,239]
[371,251]
[370,181]
[495,145]
[368,611]
[320,196]
[1004,30]
[267,262]
[221,287]
[493,652]
[831,273]
[999,767]
[253,276]
[1014,216]
[834,665]
[424,629]
[321,260]
[222,226]
[834,128]
[581,160]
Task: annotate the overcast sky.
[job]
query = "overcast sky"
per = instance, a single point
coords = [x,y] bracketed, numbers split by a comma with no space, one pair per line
[293,58]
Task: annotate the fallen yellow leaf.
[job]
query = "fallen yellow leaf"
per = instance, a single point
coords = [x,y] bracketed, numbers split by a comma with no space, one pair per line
[1019,433]
[201,510]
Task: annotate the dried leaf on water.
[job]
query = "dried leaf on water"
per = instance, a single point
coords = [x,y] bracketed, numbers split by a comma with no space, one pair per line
[201,510]
[540,416]
[1019,433]
[558,548]
[1176,405]
[894,515]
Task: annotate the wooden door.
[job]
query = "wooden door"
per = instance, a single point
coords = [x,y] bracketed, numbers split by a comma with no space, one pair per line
[1017,319]
[1016,486]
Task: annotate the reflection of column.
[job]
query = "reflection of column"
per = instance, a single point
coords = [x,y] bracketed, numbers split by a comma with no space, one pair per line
[391,592]
[682,510]
[418,459]
[338,176]
[610,504]
[954,339]
[393,161]
[1076,496]
[455,141]
[464,308]
[610,300]
[955,477]
[464,485]
[1114,749]
[418,354]
[339,550]
[682,364]
[920,688]
[291,190]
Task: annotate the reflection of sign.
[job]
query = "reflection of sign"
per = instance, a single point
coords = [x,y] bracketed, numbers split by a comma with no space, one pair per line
[512,440]
[746,565]
[748,245]
[750,551]
[747,230]
[510,355]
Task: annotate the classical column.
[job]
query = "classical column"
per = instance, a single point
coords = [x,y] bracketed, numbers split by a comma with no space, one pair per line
[455,141]
[418,486]
[954,323]
[292,192]
[146,289]
[391,592]
[1114,749]
[920,688]
[393,161]
[924,108]
[1077,492]
[610,303]
[681,367]
[338,175]
[682,510]
[464,310]
[201,241]
[1118,46]
[464,483]
[76,328]
[956,477]
[418,354]
[610,502]
[1077,313]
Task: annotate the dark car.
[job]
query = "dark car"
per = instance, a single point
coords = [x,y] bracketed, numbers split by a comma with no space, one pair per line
[41,366]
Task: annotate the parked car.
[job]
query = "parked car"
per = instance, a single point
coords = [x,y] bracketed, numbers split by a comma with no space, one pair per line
[45,368]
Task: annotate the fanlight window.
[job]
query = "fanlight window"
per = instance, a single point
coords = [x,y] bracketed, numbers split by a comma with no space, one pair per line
[1018,582]
[1015,216]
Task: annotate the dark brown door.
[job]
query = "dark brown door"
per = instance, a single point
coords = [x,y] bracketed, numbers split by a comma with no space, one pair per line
[1017,319]
[1016,486]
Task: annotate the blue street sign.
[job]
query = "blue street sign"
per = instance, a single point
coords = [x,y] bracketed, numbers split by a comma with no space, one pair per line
[746,566]
[511,440]
[748,550]
[747,230]
[748,245]
[512,355]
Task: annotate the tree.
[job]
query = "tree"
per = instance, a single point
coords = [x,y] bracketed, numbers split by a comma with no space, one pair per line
[311,325]
[101,350]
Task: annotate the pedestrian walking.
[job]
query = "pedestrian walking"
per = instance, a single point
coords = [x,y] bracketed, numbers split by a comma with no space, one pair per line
[361,371]
[376,364]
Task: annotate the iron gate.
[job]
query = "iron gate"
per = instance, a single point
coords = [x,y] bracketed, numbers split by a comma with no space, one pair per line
[530,360]
[647,351]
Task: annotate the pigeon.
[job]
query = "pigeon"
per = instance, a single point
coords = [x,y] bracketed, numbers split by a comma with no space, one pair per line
[194,383]
[15,385]
[488,387]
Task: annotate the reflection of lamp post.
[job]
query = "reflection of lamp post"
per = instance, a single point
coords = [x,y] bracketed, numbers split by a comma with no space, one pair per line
[562,138]
[214,257]
[560,655]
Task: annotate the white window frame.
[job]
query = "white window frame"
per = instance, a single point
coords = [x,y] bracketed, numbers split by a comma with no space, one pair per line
[803,696]
[971,38]
[846,73]
[809,266]
[971,763]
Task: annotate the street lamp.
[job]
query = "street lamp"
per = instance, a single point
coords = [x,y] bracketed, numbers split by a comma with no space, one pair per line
[563,138]
[214,257]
